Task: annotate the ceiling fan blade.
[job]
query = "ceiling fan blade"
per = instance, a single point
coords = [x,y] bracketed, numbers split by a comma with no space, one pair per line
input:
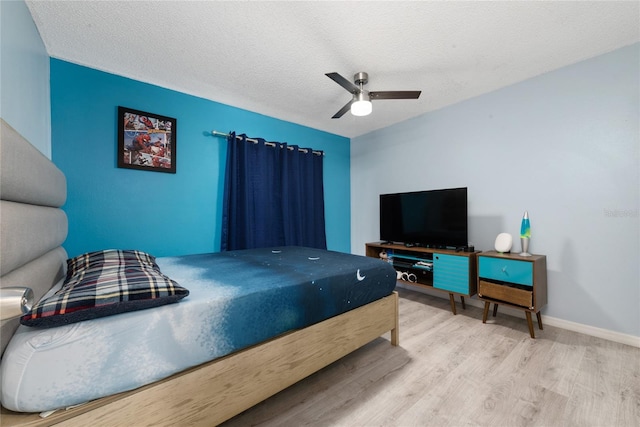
[396,94]
[343,110]
[343,82]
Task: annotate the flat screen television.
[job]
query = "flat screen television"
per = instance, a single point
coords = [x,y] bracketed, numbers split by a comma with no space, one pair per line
[435,218]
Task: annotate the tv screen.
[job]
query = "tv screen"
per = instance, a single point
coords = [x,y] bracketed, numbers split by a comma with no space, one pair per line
[430,218]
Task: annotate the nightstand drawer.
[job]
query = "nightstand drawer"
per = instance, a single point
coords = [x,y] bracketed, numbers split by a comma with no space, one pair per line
[505,293]
[506,270]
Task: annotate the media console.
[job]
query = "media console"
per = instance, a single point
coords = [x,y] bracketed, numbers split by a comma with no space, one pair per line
[446,270]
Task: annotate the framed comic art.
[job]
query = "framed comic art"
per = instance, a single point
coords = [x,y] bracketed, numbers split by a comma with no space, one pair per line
[146,141]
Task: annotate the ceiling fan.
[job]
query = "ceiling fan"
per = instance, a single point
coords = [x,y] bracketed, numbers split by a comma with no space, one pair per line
[360,105]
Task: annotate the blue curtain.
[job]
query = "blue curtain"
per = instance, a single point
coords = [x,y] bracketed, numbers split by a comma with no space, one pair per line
[273,196]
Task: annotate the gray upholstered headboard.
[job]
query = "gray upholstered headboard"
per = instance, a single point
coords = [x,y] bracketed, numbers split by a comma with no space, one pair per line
[32,225]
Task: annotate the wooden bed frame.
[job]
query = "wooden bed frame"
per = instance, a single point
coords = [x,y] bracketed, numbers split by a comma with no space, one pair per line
[216,391]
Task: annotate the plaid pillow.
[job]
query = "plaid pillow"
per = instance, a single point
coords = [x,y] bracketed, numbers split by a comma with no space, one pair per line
[99,273]
[109,257]
[102,291]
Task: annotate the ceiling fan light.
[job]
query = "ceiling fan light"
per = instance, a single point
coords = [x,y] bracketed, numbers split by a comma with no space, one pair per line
[361,108]
[362,105]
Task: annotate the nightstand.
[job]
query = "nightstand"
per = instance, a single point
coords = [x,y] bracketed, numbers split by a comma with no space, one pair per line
[515,281]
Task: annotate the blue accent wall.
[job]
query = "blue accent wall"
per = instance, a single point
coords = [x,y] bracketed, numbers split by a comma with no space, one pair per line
[165,214]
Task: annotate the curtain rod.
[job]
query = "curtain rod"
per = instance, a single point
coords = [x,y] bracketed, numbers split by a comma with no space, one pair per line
[270,144]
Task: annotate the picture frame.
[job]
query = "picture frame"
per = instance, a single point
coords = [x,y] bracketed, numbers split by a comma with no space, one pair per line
[146,141]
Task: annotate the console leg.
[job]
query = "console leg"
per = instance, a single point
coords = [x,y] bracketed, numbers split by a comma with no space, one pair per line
[486,311]
[453,303]
[495,309]
[539,320]
[464,307]
[529,323]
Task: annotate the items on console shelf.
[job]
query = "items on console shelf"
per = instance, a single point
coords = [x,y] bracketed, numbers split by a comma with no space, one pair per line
[411,261]
[403,261]
[424,264]
[407,261]
[406,276]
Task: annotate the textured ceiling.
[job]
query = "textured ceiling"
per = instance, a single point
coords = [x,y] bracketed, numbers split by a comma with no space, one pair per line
[271,57]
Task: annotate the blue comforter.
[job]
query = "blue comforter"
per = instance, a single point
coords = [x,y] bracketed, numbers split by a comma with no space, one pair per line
[275,290]
[237,299]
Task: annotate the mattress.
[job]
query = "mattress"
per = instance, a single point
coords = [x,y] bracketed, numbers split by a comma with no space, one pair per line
[237,299]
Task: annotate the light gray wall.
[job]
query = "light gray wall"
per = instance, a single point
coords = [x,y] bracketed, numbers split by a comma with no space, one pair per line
[24,76]
[565,147]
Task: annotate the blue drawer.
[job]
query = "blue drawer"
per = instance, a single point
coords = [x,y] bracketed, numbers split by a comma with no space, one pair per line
[506,270]
[451,273]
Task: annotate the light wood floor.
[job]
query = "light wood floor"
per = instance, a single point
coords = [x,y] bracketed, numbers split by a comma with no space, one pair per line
[456,371]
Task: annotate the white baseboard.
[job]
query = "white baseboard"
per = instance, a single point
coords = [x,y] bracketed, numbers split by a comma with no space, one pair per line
[593,331]
[546,320]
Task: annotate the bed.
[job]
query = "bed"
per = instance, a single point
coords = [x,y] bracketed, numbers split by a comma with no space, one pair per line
[242,373]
